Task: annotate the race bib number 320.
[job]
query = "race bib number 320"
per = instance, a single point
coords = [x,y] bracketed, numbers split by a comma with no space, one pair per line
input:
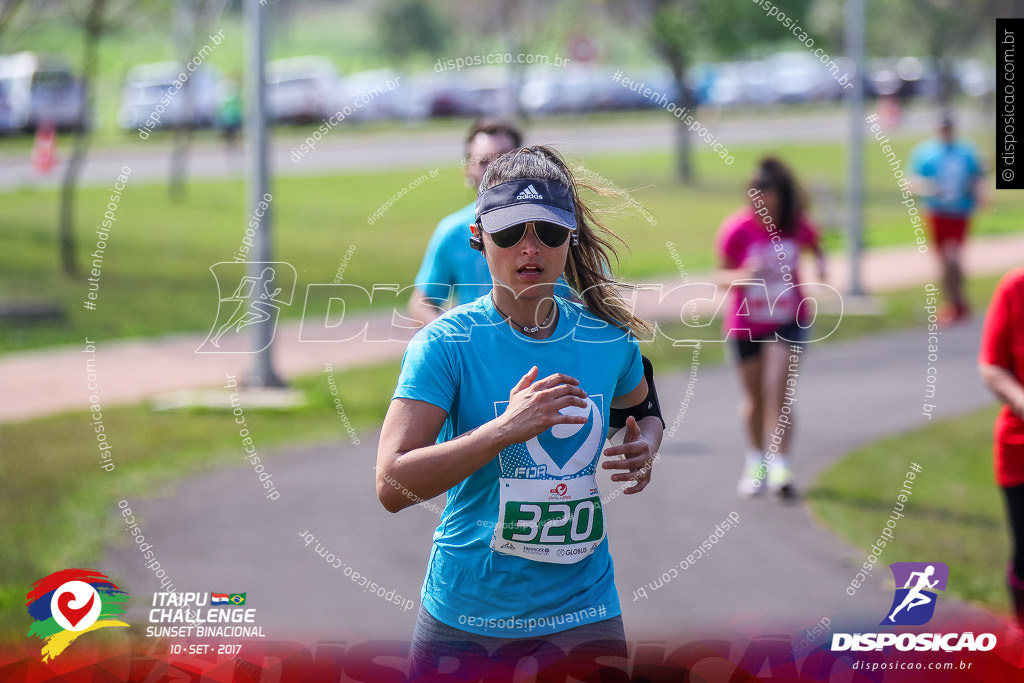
[577,521]
[565,528]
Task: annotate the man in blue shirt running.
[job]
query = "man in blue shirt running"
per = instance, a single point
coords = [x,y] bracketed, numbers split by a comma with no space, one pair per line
[949,175]
[452,270]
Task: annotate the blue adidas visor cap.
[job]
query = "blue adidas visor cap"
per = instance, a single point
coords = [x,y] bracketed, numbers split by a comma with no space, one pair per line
[526,199]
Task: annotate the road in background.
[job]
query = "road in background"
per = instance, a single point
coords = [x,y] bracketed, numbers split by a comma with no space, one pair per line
[397,149]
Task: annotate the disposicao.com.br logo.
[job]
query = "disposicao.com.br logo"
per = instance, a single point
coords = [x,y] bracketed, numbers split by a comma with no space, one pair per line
[71,602]
[913,604]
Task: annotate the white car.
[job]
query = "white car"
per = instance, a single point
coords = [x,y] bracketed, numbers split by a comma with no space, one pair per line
[150,85]
[302,89]
[800,77]
[35,89]
[731,84]
[378,93]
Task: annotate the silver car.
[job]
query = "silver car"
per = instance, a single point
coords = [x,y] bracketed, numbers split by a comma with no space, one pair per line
[36,89]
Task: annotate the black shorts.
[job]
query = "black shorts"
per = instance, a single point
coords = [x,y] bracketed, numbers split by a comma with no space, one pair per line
[746,348]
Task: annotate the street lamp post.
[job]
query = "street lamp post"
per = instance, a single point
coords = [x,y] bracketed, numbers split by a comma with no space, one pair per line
[855,177]
[262,374]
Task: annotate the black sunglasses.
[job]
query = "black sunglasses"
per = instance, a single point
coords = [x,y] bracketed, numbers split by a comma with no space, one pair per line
[550,235]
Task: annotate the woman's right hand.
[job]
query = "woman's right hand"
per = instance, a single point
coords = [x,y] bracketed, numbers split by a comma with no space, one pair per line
[533,406]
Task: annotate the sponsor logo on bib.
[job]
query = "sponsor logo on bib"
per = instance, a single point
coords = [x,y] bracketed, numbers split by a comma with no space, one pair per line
[560,492]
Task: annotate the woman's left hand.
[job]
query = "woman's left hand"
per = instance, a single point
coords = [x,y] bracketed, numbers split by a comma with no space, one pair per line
[638,461]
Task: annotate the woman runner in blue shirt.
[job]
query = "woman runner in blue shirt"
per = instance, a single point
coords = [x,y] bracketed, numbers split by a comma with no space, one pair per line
[505,403]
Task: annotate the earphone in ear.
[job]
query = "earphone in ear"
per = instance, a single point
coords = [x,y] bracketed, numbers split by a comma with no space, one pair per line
[475,240]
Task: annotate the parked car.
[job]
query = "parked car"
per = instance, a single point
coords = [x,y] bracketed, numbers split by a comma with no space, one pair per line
[800,77]
[730,84]
[488,90]
[302,89]
[903,77]
[6,124]
[573,89]
[374,86]
[37,89]
[430,94]
[975,77]
[149,85]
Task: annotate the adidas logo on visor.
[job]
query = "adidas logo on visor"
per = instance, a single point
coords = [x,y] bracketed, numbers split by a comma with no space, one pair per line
[529,193]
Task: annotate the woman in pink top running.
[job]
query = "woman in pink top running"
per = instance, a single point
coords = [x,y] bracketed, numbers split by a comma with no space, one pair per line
[758,248]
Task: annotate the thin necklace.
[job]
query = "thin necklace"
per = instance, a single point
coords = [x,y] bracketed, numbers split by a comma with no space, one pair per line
[527,330]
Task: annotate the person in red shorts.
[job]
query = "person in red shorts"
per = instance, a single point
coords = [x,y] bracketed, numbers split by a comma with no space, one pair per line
[1002,368]
[948,174]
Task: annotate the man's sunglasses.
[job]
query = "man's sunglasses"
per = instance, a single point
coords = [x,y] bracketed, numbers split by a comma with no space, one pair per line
[550,235]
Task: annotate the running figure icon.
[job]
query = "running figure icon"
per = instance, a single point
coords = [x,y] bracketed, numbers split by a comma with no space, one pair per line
[915,597]
[259,290]
[251,309]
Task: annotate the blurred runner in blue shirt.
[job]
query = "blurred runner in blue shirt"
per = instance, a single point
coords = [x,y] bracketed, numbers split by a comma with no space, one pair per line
[949,174]
[452,271]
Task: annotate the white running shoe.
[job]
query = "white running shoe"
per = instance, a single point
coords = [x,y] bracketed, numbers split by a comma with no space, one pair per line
[780,480]
[752,482]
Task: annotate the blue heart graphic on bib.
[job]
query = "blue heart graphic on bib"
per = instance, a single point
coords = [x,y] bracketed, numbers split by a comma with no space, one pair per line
[568,448]
[561,450]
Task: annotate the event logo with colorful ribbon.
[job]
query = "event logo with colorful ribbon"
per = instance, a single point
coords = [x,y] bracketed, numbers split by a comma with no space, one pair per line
[71,602]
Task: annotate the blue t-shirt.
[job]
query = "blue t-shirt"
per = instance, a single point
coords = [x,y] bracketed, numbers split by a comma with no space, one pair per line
[954,169]
[521,548]
[450,262]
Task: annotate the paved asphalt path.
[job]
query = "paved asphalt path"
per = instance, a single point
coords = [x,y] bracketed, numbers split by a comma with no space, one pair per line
[777,572]
[347,152]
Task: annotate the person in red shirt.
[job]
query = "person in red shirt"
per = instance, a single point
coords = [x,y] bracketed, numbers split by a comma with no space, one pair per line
[1001,363]
[758,250]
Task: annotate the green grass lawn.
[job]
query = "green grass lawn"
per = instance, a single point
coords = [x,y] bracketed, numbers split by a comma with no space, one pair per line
[155,274]
[57,501]
[955,514]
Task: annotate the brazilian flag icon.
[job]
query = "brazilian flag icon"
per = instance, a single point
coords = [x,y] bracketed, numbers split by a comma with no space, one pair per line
[237,598]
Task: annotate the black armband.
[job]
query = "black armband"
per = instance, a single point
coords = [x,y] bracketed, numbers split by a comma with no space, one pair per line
[647,407]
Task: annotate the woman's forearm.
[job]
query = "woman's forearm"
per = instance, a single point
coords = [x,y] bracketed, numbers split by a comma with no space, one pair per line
[652,431]
[422,473]
[1005,386]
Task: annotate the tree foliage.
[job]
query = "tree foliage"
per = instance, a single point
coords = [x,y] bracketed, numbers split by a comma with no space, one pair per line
[408,27]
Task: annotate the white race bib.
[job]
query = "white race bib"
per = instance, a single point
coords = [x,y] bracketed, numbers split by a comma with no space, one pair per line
[548,520]
[771,299]
[779,304]
[549,504]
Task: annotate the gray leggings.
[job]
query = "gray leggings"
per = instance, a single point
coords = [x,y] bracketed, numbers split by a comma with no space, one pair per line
[463,656]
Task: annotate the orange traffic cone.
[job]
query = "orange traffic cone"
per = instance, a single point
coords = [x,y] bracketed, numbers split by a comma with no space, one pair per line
[890,111]
[44,149]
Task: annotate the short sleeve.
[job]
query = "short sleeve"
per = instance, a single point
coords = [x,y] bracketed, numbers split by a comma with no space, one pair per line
[632,369]
[977,162]
[996,337]
[808,235]
[430,370]
[731,243]
[435,276]
[918,161]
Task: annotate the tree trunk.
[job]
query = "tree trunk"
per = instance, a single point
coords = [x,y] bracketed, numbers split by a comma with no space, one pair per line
[938,46]
[8,8]
[684,141]
[66,230]
[180,148]
[185,26]
[92,31]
